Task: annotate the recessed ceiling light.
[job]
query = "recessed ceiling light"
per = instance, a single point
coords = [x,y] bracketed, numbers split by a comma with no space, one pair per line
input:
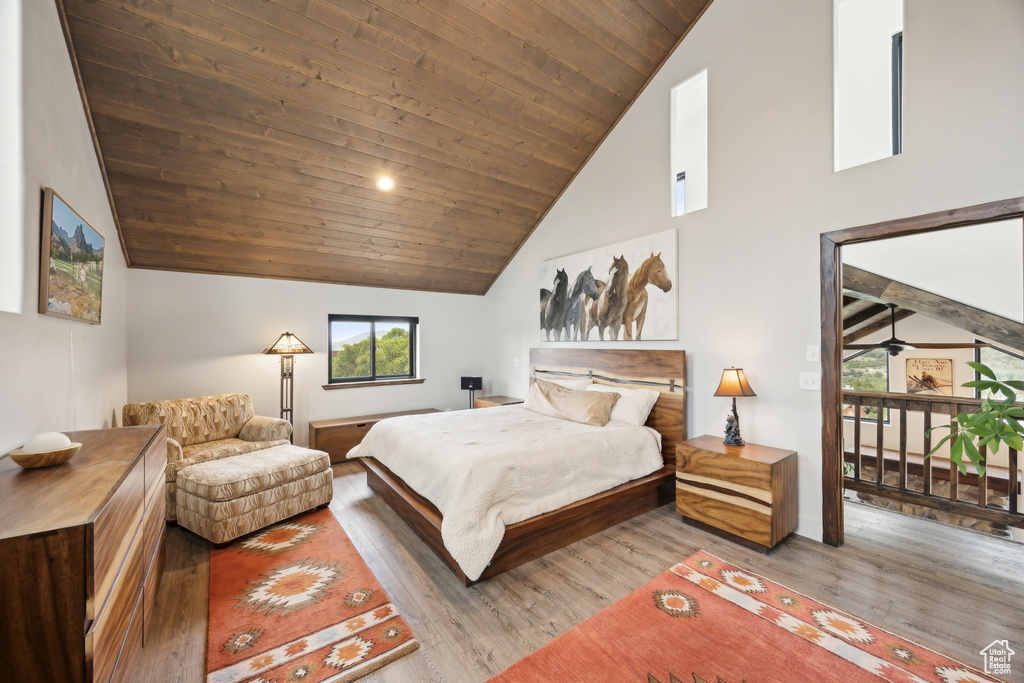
[385,183]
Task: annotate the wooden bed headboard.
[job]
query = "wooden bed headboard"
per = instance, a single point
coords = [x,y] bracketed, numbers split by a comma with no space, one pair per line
[660,370]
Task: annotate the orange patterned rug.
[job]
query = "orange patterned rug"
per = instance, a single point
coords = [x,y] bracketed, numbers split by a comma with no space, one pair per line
[295,602]
[707,621]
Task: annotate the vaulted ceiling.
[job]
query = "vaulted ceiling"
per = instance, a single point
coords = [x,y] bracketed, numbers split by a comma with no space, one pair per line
[245,138]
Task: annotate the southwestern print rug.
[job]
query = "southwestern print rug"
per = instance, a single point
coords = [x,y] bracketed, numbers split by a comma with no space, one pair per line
[295,602]
[706,621]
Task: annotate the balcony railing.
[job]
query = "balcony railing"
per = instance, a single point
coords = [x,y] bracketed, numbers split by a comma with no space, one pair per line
[922,470]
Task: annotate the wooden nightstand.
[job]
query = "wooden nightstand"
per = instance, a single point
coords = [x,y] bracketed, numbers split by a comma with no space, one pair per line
[747,494]
[495,401]
[340,435]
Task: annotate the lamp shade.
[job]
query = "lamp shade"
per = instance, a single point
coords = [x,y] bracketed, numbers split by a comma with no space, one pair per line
[734,383]
[287,345]
[474,383]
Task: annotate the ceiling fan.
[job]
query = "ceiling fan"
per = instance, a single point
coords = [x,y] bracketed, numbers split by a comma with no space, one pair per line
[894,346]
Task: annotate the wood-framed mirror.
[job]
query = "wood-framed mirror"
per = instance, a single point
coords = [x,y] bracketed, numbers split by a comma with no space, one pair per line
[832,331]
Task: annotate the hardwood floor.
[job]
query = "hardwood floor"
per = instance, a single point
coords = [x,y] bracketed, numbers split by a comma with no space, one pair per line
[952,589]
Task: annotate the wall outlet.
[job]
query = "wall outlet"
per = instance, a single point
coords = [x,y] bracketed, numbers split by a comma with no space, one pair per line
[515,362]
[813,354]
[810,381]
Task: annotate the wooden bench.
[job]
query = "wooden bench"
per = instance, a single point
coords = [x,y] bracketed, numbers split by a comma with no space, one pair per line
[339,435]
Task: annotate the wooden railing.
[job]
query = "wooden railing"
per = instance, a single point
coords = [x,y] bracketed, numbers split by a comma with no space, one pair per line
[930,470]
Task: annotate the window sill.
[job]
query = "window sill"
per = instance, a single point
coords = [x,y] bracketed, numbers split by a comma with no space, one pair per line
[376,383]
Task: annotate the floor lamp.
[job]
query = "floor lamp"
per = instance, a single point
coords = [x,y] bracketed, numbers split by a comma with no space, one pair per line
[286,346]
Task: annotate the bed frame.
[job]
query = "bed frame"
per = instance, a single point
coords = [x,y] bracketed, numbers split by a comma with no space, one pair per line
[663,371]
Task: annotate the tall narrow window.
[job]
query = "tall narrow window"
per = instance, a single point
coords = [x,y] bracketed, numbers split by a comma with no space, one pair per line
[12,173]
[866,371]
[690,145]
[897,93]
[867,46]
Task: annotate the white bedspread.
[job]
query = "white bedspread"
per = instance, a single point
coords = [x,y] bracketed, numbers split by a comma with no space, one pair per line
[487,468]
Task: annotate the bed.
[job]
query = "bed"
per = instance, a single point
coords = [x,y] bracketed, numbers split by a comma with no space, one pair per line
[660,370]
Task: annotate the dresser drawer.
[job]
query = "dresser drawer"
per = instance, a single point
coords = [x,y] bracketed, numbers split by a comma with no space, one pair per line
[131,647]
[151,581]
[113,531]
[107,634]
[338,437]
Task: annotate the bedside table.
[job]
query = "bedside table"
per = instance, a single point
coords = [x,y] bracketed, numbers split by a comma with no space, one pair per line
[495,401]
[747,494]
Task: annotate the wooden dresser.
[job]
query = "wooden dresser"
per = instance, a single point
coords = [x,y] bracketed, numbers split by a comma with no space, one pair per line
[340,435]
[745,493]
[81,553]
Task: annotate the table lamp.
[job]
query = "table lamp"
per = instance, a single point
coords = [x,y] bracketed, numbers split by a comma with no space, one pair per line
[473,384]
[286,346]
[734,383]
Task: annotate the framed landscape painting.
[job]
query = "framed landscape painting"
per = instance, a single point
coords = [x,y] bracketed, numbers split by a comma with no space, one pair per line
[71,264]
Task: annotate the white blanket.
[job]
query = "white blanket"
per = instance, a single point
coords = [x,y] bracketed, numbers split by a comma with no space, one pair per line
[485,469]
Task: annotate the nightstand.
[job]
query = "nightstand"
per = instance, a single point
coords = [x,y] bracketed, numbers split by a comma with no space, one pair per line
[495,401]
[747,494]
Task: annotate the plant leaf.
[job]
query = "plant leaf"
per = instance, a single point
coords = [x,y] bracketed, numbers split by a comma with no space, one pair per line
[982,369]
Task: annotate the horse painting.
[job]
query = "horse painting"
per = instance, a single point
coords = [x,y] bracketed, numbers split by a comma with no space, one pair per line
[651,272]
[588,313]
[611,303]
[585,284]
[552,318]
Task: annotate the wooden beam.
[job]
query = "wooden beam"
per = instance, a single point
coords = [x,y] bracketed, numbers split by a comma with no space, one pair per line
[863,316]
[982,323]
[875,327]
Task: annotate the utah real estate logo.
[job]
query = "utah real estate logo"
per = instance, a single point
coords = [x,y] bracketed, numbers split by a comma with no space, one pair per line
[997,657]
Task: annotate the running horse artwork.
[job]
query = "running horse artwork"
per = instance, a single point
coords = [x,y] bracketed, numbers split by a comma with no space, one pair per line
[623,305]
[585,285]
[611,304]
[554,305]
[651,272]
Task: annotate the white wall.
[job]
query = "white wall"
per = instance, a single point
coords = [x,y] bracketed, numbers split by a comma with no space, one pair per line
[196,335]
[38,390]
[975,265]
[749,264]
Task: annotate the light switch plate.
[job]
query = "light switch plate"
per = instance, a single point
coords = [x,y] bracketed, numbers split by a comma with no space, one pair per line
[813,354]
[515,362]
[810,381]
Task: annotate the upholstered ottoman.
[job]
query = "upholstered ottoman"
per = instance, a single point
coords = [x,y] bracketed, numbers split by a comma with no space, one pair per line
[223,499]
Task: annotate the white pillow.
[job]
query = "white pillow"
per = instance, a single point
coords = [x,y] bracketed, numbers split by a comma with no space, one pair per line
[633,406]
[575,383]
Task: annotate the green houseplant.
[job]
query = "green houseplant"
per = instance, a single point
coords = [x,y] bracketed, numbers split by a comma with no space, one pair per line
[996,422]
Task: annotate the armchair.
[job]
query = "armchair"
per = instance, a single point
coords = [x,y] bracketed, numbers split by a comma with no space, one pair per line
[204,429]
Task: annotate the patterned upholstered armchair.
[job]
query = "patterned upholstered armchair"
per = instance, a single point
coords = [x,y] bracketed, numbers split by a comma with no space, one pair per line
[206,428]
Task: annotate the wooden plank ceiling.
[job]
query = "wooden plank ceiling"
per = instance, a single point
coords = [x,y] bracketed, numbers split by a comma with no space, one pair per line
[245,138]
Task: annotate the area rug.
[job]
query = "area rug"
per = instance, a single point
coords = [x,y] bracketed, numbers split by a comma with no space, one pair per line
[295,602]
[707,621]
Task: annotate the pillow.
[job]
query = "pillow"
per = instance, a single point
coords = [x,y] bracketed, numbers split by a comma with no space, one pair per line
[633,406]
[577,383]
[590,408]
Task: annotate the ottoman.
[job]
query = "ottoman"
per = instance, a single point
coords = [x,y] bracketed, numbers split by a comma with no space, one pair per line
[223,499]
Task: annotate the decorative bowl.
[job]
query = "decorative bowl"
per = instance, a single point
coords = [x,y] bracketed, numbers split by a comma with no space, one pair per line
[57,456]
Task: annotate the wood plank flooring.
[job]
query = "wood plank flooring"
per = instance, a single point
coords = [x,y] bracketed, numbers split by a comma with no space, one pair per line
[951,589]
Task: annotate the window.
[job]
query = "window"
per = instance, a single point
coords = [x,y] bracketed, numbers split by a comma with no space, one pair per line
[366,348]
[866,371]
[1006,365]
[690,145]
[867,62]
